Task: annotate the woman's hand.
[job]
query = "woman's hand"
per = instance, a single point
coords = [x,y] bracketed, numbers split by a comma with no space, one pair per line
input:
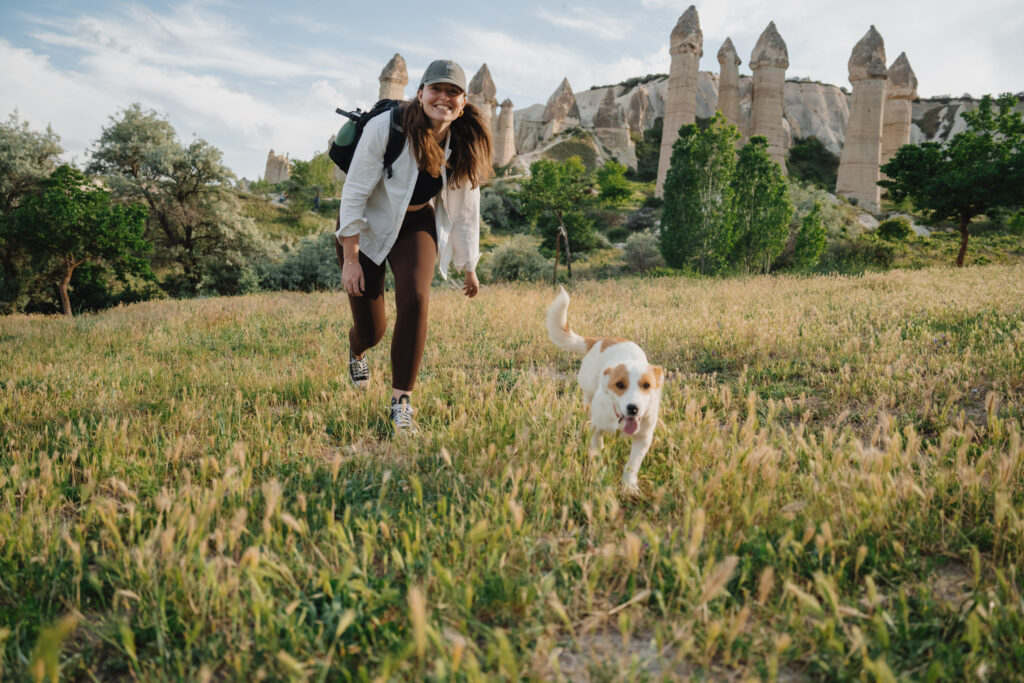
[352,278]
[471,286]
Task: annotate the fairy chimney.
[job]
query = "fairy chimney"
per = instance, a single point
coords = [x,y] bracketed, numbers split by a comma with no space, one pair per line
[858,164]
[729,83]
[609,114]
[639,106]
[900,92]
[393,79]
[561,111]
[505,139]
[483,95]
[278,169]
[686,45]
[769,62]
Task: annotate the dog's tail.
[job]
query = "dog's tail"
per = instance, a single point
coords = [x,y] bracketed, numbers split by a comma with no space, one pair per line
[558,325]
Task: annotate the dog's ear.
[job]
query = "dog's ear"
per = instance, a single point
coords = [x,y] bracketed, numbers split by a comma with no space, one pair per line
[659,375]
[607,371]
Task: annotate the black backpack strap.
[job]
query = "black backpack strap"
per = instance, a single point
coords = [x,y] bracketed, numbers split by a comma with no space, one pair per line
[396,140]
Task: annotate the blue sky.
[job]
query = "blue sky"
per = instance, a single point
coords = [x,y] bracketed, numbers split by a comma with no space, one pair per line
[251,76]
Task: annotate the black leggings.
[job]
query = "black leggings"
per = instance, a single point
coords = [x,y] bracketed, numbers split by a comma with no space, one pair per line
[412,260]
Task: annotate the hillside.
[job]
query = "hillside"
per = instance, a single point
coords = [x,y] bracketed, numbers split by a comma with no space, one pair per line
[191,489]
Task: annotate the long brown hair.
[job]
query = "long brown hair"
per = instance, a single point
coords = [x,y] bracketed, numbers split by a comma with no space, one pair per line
[470,144]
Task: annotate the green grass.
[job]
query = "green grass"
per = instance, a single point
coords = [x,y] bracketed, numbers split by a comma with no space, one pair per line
[275,221]
[190,489]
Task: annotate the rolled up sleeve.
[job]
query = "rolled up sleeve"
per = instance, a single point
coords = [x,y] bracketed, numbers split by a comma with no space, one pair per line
[465,236]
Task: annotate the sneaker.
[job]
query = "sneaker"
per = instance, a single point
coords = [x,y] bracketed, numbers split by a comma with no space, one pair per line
[401,415]
[358,370]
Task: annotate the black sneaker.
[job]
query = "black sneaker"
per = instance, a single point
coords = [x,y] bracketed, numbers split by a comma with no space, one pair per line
[358,370]
[401,415]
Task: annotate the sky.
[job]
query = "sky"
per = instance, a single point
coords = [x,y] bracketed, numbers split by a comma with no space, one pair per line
[252,76]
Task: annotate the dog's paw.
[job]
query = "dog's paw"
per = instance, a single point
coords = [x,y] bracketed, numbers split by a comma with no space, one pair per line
[630,487]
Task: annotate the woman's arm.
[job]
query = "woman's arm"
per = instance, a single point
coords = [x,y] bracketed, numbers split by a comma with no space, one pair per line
[364,173]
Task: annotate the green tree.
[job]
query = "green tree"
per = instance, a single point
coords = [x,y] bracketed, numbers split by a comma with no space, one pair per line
[557,189]
[195,219]
[980,169]
[810,240]
[27,157]
[697,221]
[811,161]
[71,221]
[761,207]
[648,148]
[611,180]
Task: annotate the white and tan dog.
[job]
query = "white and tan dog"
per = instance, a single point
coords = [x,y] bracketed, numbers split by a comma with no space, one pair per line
[622,390]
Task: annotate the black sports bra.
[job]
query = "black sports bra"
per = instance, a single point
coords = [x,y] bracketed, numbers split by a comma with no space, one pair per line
[427,186]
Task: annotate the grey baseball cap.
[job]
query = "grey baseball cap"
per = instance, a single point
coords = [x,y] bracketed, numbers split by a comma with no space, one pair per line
[444,71]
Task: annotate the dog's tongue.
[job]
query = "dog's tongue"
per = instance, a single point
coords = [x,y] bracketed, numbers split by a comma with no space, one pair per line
[631,425]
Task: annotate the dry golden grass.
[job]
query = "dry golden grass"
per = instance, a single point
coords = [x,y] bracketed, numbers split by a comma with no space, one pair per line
[191,489]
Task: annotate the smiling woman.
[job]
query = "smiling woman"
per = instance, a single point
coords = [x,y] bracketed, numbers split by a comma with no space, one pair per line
[427,206]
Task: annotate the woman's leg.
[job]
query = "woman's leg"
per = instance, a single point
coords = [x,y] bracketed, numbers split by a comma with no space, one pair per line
[368,315]
[412,261]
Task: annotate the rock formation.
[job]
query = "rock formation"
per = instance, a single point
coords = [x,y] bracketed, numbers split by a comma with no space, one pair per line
[769,62]
[483,95]
[561,112]
[639,108]
[278,169]
[505,138]
[900,92]
[686,45]
[729,83]
[611,131]
[858,164]
[393,79]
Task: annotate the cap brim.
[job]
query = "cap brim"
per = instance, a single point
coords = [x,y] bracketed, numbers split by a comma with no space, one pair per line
[452,81]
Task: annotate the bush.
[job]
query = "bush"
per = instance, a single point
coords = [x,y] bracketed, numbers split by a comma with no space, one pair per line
[895,229]
[311,265]
[223,277]
[615,189]
[517,259]
[642,252]
[1015,223]
[648,149]
[642,219]
[810,161]
[810,240]
[501,210]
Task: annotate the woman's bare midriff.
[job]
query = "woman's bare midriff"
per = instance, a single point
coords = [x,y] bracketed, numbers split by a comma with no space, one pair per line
[416,207]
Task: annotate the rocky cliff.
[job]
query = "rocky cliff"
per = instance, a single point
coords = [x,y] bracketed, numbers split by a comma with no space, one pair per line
[811,109]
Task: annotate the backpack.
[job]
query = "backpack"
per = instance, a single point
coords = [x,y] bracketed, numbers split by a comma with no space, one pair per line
[343,147]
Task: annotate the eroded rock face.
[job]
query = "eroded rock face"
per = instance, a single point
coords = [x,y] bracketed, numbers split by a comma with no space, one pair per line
[505,138]
[859,161]
[393,79]
[729,83]
[483,95]
[561,112]
[686,47]
[639,106]
[900,91]
[278,169]
[609,114]
[769,62]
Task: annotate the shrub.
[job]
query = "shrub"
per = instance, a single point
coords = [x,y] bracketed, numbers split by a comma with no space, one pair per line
[615,189]
[311,265]
[810,161]
[1015,223]
[501,210]
[895,229]
[517,259]
[810,240]
[642,252]
[644,218]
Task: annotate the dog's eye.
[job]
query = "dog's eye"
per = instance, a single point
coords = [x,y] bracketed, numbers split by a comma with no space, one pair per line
[646,385]
[620,385]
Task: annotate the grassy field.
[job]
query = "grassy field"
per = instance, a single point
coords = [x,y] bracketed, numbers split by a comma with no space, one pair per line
[190,490]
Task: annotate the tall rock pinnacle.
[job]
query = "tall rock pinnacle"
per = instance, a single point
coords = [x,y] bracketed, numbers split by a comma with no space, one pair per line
[686,45]
[769,61]
[393,79]
[858,163]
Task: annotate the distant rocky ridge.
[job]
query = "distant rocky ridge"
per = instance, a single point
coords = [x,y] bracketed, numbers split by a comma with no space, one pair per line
[810,109]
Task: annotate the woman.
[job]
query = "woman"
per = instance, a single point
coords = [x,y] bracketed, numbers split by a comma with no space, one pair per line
[392,218]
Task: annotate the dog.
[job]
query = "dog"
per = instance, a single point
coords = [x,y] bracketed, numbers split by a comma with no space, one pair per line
[621,389]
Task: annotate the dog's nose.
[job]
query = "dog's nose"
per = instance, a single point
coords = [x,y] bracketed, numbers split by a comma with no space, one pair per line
[632,410]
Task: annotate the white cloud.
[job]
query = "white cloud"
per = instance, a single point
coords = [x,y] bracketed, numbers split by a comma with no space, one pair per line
[588,21]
